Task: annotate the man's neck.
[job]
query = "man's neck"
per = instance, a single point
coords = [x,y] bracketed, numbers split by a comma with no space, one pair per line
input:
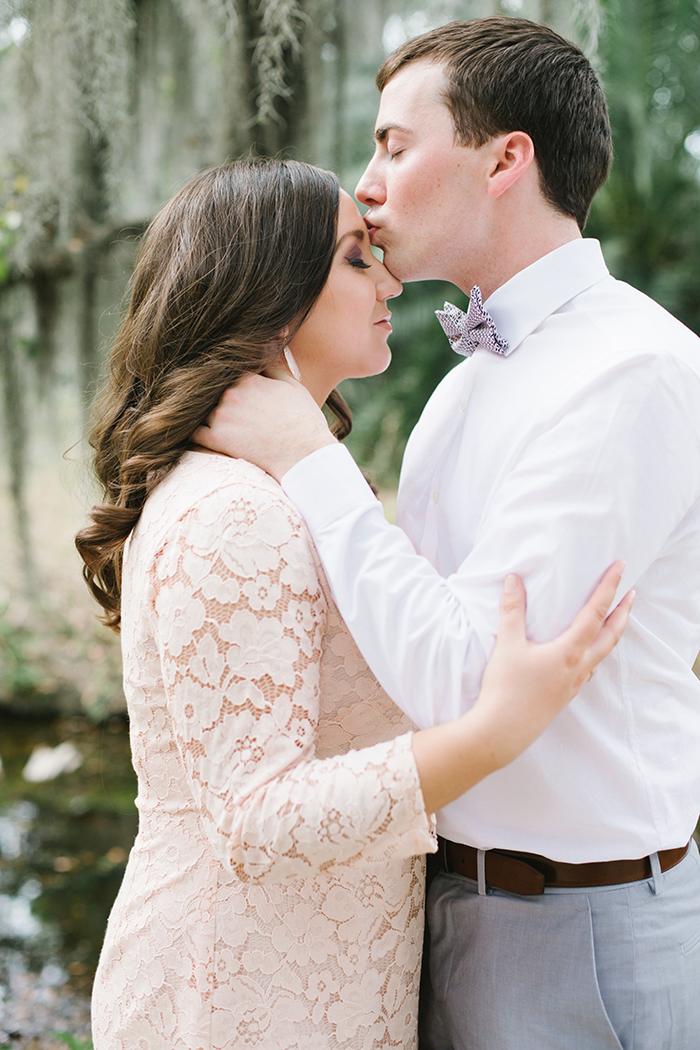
[514,250]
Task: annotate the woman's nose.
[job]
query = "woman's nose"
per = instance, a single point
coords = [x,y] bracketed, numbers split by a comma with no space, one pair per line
[388,287]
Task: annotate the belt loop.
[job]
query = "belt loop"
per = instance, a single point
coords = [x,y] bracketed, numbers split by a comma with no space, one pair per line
[481,871]
[656,879]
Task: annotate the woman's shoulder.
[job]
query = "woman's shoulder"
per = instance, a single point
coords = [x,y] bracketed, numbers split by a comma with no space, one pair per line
[209,500]
[201,478]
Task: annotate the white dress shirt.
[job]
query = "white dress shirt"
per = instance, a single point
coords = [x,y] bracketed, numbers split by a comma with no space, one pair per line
[580,447]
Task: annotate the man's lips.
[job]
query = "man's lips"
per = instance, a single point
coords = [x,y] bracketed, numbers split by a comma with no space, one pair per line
[372,231]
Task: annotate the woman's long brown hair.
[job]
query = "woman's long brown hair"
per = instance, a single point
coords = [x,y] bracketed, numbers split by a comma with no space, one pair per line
[235,259]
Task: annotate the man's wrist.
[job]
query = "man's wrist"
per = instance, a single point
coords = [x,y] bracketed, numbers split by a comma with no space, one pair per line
[327,485]
[290,455]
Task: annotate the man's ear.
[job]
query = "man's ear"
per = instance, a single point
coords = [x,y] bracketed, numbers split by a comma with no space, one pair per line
[512,155]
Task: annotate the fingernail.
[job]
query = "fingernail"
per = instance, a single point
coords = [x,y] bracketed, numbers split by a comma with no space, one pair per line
[623,566]
[511,583]
[633,595]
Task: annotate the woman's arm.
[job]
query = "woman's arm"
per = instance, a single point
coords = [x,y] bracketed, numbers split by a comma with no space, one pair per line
[240,618]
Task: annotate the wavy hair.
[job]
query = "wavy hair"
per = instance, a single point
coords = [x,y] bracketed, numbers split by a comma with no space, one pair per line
[234,261]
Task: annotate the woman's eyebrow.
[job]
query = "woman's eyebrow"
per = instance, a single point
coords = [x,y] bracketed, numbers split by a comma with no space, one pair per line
[357,234]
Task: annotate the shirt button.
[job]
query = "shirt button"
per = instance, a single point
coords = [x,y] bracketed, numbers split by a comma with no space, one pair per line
[463,405]
[436,496]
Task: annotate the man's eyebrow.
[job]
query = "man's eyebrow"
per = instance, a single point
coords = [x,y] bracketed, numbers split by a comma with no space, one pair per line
[381,133]
[357,234]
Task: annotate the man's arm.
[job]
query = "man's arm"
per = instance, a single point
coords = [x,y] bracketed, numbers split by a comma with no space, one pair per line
[609,476]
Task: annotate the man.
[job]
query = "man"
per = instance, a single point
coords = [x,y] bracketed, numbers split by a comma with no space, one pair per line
[567,911]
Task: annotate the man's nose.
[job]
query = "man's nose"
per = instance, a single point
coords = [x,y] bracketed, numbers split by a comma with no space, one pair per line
[369,189]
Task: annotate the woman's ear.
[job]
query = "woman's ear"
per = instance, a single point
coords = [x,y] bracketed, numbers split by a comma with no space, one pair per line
[512,156]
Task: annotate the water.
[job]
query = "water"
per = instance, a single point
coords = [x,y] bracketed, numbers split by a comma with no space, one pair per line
[63,849]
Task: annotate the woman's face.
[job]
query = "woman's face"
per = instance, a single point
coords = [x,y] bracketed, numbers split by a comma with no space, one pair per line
[345,335]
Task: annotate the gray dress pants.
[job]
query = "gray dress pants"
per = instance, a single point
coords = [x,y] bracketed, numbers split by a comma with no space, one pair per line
[588,969]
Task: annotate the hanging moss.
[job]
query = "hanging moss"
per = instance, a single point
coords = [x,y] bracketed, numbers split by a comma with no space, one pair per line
[106,108]
[13,388]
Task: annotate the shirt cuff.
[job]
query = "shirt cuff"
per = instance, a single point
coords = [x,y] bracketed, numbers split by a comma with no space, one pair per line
[326,485]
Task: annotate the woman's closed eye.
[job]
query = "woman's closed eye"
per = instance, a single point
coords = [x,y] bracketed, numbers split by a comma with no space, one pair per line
[358,262]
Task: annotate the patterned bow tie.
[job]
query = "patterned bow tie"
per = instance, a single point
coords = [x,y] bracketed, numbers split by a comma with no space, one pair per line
[475,328]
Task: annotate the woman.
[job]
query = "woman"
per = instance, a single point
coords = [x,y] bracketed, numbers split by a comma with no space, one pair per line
[273,897]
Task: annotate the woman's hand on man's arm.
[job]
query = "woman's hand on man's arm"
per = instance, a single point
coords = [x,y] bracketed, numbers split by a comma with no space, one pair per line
[524,687]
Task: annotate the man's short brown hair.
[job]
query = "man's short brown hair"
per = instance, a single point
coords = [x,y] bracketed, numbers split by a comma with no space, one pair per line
[508,74]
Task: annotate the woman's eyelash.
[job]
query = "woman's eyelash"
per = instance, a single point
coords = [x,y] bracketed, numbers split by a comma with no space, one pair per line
[359,264]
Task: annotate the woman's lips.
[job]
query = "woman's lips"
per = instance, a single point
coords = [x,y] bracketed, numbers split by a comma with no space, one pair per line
[384,323]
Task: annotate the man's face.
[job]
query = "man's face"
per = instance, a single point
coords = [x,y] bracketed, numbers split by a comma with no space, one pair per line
[425,193]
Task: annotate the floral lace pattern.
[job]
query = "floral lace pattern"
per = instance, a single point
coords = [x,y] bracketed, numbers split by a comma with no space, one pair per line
[273,897]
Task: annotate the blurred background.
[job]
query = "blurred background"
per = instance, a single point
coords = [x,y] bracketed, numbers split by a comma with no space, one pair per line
[107,107]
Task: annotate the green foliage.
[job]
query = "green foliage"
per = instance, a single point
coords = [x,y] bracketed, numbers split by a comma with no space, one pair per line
[7,242]
[72,1042]
[648,215]
[13,186]
[19,675]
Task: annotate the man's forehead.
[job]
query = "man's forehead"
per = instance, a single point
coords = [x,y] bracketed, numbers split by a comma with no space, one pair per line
[414,89]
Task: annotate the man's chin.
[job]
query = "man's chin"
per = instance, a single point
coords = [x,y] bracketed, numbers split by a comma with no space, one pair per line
[398,267]
[392,261]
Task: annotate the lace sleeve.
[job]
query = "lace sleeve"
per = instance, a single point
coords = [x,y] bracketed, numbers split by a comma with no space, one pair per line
[240,616]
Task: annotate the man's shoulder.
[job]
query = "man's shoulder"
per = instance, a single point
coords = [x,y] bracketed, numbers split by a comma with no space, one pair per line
[608,330]
[626,318]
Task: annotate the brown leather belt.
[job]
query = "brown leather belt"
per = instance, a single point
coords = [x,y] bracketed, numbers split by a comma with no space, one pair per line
[527,874]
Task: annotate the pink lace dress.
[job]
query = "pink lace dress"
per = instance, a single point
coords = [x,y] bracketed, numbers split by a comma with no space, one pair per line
[273,897]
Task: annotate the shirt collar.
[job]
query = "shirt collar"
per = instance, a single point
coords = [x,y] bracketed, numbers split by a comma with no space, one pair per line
[520,305]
